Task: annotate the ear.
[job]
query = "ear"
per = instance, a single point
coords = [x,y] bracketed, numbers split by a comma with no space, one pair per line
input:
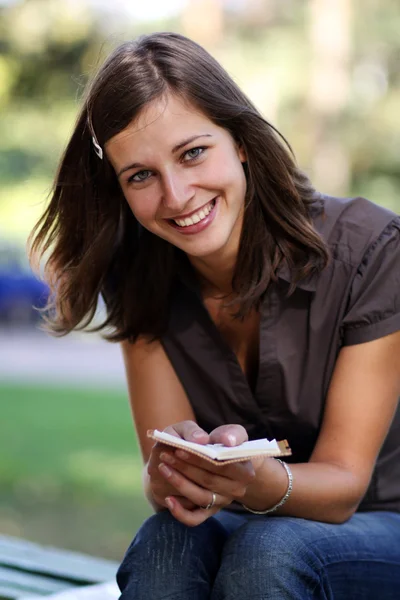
[241,153]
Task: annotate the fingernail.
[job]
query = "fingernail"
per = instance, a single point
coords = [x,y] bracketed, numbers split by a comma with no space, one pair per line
[167,458]
[182,454]
[231,438]
[198,434]
[165,470]
[169,503]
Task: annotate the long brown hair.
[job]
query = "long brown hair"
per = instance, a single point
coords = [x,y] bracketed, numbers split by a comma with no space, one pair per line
[94,243]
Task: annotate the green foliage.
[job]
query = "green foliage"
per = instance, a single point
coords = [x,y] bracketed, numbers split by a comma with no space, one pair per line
[70,469]
[70,473]
[48,49]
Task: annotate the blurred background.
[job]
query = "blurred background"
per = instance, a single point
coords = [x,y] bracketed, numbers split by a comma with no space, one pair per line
[326,72]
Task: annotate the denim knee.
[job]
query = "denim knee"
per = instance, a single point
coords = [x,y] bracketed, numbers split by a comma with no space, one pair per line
[267,558]
[170,560]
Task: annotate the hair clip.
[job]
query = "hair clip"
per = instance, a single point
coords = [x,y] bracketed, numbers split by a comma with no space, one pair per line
[97,148]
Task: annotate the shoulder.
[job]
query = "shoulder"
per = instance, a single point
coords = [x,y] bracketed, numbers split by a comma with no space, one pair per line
[350,226]
[362,278]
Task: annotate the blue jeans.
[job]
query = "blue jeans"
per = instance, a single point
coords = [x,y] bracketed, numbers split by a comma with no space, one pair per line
[234,556]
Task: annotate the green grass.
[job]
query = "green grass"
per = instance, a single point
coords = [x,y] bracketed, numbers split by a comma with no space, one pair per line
[70,468]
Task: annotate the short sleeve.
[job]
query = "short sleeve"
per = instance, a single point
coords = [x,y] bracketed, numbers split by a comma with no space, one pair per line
[374,304]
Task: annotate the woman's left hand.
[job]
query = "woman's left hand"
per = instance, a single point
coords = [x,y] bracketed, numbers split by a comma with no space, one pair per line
[198,479]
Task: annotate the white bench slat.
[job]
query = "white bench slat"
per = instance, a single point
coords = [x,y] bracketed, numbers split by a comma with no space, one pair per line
[24,582]
[9,591]
[102,591]
[58,563]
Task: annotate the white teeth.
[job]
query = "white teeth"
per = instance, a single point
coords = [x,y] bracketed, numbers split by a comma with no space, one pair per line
[197,217]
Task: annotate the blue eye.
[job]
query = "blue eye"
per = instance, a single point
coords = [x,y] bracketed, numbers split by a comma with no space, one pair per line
[194,153]
[139,176]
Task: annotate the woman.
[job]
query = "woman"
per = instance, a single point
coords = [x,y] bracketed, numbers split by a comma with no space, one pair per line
[247,305]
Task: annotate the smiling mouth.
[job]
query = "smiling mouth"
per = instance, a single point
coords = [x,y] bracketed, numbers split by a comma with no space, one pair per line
[196,217]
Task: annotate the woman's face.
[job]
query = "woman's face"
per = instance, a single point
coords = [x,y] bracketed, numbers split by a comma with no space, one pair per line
[182,177]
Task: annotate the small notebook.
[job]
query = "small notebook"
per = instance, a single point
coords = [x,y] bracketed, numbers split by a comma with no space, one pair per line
[218,453]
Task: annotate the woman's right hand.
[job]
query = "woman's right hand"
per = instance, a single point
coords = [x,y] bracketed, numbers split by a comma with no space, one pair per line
[159,487]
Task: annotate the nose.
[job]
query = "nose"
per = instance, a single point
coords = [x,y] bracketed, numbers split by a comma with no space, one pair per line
[176,191]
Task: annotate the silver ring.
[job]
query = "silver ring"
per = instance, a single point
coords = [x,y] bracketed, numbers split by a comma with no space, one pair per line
[214,498]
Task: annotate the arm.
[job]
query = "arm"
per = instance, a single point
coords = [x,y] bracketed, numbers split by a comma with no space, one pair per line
[157,399]
[360,406]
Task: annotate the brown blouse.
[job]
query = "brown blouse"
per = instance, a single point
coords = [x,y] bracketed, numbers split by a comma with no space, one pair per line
[355,299]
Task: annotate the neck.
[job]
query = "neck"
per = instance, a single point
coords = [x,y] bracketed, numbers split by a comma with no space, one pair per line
[216,270]
[215,274]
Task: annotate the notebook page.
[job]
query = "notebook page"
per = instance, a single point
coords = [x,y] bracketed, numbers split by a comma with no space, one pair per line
[215,451]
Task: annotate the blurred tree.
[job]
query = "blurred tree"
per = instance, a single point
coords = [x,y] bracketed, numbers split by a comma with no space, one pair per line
[203,20]
[328,94]
[334,81]
[326,72]
[373,119]
[40,63]
[329,81]
[49,42]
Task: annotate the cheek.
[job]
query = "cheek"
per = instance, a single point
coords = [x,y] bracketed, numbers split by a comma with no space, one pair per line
[222,176]
[233,179]
[227,170]
[143,206]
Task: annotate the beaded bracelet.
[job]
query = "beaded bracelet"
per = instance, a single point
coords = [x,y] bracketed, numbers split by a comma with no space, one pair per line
[285,497]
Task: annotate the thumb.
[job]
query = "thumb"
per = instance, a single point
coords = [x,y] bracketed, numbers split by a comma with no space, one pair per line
[229,435]
[189,431]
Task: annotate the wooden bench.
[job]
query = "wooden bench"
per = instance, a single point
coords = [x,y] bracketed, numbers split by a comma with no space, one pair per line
[30,571]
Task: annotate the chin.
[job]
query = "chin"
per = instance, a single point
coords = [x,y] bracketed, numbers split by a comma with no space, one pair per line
[198,245]
[203,251]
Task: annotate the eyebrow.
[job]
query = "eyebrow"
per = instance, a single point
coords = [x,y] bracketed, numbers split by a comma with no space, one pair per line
[174,150]
[188,141]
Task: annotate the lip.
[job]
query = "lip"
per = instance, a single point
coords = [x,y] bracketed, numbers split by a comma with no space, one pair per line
[197,227]
[193,211]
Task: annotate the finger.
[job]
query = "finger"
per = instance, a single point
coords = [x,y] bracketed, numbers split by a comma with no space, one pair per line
[187,504]
[187,488]
[242,471]
[160,489]
[154,461]
[229,435]
[233,486]
[188,430]
[191,518]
